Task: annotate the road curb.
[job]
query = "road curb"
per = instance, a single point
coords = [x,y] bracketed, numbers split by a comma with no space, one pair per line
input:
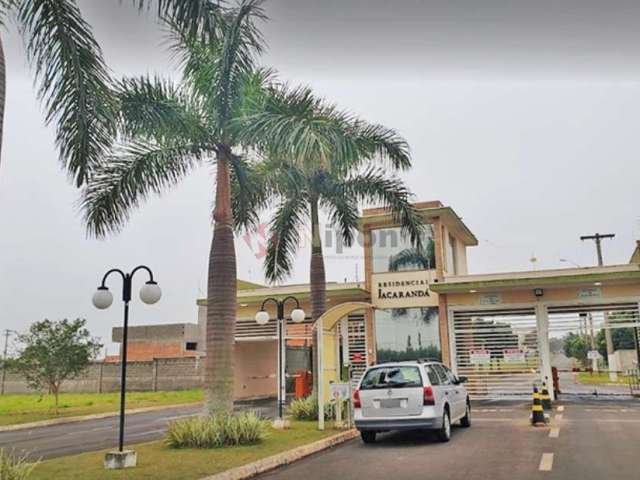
[96,416]
[281,459]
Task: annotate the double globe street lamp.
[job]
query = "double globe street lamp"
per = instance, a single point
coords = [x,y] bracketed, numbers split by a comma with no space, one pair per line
[262,318]
[150,293]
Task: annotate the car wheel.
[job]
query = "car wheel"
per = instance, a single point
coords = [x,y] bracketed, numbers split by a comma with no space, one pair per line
[444,434]
[368,437]
[466,420]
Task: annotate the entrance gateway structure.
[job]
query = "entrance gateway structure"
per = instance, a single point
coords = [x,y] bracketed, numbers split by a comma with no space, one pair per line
[503,331]
[500,330]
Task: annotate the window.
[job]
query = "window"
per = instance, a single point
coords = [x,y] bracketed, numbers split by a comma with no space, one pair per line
[433,376]
[444,379]
[391,251]
[191,346]
[407,334]
[452,378]
[453,256]
[391,377]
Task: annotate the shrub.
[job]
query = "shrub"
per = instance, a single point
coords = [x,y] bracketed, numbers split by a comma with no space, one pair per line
[14,468]
[216,431]
[307,408]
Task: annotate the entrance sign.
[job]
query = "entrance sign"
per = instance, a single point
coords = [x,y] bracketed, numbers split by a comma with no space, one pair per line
[513,355]
[402,290]
[480,357]
[593,355]
[339,391]
[591,292]
[491,299]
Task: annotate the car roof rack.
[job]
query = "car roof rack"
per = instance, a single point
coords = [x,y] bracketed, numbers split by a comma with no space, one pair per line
[425,360]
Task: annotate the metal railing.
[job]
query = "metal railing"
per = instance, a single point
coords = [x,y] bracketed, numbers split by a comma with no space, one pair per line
[633,378]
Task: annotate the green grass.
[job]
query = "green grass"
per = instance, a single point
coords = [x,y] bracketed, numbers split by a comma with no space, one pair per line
[159,462]
[599,379]
[16,409]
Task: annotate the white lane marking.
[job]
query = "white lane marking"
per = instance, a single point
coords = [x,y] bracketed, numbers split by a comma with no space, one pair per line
[148,432]
[546,462]
[554,433]
[558,416]
[168,419]
[561,408]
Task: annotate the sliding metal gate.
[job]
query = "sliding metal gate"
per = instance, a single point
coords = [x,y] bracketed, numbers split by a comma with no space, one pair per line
[497,350]
[588,324]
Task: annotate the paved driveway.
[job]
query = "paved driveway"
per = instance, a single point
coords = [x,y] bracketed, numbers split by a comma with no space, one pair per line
[593,441]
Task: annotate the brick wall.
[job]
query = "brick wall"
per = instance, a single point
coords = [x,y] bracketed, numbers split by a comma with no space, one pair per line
[255,373]
[159,374]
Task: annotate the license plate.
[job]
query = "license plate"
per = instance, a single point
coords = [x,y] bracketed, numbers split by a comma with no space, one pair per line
[391,403]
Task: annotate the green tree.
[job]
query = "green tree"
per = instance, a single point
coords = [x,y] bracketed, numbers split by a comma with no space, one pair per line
[576,346]
[72,78]
[323,158]
[623,339]
[54,352]
[168,129]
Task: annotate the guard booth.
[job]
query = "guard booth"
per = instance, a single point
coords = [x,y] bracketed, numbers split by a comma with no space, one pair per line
[339,344]
[506,331]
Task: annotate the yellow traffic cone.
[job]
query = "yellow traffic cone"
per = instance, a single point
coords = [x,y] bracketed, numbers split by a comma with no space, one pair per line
[537,413]
[545,398]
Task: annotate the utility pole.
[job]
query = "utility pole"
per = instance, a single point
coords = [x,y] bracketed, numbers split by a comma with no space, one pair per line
[7,332]
[598,238]
[613,367]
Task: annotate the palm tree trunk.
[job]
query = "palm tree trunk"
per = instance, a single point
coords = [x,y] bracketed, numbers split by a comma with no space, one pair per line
[221,298]
[317,280]
[3,83]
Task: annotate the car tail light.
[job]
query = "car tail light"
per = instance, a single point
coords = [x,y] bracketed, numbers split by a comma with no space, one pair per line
[356,399]
[428,398]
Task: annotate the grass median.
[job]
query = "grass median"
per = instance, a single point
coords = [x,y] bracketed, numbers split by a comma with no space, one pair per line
[159,462]
[600,379]
[17,409]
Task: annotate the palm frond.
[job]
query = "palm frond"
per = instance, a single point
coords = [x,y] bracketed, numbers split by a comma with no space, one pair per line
[197,19]
[73,81]
[284,236]
[250,192]
[343,209]
[154,108]
[375,186]
[127,178]
[295,124]
[383,144]
[217,71]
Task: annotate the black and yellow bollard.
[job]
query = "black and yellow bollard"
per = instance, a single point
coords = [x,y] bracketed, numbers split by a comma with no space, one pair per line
[545,398]
[537,413]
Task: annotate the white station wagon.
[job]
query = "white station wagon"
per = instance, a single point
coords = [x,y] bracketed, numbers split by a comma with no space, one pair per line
[410,396]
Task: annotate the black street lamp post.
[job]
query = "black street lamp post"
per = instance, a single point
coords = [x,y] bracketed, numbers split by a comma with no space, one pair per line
[262,318]
[150,293]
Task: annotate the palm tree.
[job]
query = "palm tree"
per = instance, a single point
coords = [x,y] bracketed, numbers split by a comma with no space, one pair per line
[320,158]
[168,129]
[71,74]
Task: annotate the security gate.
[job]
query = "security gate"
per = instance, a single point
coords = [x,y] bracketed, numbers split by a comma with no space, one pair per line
[497,350]
[357,346]
[577,336]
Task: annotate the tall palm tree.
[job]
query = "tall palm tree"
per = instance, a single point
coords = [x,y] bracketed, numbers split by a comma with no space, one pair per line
[319,160]
[167,129]
[71,74]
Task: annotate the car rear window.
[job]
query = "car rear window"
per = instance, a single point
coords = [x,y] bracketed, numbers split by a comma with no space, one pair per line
[391,377]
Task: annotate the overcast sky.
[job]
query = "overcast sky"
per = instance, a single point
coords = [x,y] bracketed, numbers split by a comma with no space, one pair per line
[522,116]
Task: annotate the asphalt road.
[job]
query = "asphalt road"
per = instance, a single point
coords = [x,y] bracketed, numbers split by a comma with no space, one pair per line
[90,435]
[593,441]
